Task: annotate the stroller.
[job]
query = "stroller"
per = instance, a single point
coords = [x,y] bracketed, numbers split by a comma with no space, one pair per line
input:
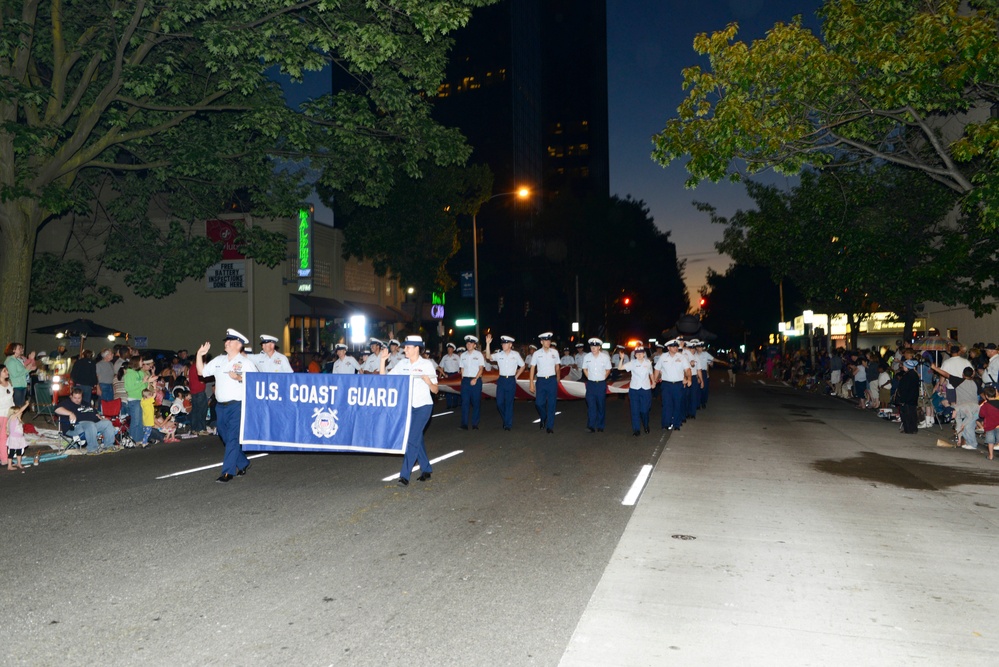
[112,412]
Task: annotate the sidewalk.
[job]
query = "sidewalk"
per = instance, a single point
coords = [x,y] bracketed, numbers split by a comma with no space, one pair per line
[787,528]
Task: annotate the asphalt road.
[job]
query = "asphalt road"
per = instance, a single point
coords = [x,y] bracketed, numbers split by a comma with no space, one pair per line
[312,559]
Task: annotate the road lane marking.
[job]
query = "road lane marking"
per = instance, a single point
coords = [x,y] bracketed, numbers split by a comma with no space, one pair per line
[639,484]
[432,461]
[202,468]
[538,420]
[441,414]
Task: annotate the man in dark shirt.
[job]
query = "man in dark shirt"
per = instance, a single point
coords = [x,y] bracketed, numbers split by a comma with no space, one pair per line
[84,375]
[79,420]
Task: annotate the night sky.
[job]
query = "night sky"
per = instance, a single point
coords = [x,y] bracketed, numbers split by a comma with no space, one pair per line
[649,42]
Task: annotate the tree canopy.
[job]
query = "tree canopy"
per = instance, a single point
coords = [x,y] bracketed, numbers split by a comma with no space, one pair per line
[865,238]
[914,84]
[176,99]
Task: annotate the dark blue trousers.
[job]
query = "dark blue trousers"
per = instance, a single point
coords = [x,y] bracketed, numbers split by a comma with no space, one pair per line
[471,400]
[641,405]
[673,409]
[451,400]
[416,449]
[506,389]
[596,403]
[227,423]
[545,395]
[693,398]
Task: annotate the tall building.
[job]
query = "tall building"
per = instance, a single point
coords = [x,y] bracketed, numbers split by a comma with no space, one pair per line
[527,85]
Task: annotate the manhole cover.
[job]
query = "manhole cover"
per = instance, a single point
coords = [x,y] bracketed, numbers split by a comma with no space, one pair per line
[683,537]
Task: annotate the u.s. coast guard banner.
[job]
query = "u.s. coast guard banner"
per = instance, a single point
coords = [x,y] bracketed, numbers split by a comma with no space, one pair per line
[305,412]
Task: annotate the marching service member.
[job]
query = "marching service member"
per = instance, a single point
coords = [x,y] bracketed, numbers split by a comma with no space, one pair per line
[269,360]
[421,402]
[544,376]
[230,391]
[511,365]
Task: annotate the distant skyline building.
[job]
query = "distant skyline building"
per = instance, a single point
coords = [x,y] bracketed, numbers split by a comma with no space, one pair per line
[527,85]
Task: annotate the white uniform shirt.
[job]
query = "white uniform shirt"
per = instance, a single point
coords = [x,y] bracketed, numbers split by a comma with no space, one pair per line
[371,364]
[672,367]
[597,366]
[471,362]
[227,389]
[508,362]
[579,359]
[568,361]
[276,363]
[641,373]
[451,363]
[545,362]
[420,394]
[393,359]
[704,359]
[346,366]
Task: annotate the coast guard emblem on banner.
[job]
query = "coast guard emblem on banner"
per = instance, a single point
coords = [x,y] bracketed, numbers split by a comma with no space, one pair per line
[324,423]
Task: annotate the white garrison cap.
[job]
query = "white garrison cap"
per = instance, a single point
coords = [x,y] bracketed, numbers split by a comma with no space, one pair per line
[506,339]
[471,339]
[232,334]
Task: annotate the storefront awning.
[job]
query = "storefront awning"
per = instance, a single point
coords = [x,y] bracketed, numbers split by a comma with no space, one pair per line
[374,312]
[317,306]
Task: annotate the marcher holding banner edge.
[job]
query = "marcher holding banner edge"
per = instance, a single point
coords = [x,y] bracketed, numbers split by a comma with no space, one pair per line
[421,403]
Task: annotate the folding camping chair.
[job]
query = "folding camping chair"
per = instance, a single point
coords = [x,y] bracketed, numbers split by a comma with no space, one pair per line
[44,405]
[112,412]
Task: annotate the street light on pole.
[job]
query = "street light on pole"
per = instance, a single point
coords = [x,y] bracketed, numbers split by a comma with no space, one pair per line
[522,193]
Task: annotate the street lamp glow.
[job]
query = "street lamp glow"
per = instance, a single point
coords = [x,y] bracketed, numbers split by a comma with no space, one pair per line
[807,316]
[523,192]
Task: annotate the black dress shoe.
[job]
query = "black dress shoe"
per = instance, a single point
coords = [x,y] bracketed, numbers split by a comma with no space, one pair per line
[424,477]
[551,430]
[475,428]
[507,428]
[591,430]
[463,428]
[224,478]
[403,481]
[242,471]
[635,433]
[600,430]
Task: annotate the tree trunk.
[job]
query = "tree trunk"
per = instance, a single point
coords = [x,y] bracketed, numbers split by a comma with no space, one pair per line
[19,221]
[851,323]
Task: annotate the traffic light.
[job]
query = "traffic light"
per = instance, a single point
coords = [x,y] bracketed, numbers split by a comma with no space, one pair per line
[627,301]
[704,302]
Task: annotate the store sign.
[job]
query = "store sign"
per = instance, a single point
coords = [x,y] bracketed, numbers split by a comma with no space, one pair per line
[224,232]
[226,276]
[305,247]
[437,312]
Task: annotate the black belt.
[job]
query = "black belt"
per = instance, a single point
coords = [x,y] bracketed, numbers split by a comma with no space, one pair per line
[507,377]
[604,380]
[672,381]
[545,377]
[227,402]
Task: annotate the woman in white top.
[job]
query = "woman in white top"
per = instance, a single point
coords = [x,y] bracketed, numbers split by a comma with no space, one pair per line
[640,389]
[421,401]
